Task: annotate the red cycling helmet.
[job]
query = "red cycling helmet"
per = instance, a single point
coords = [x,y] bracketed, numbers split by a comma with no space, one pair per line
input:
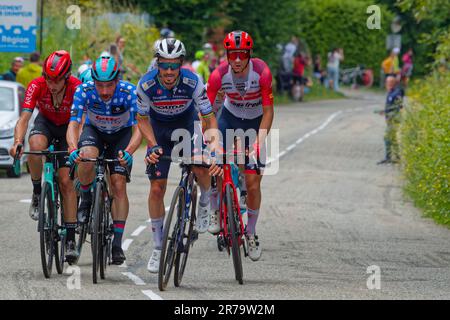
[57,65]
[236,40]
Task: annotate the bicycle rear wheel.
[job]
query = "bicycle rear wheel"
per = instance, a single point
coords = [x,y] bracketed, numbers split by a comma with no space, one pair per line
[82,232]
[97,231]
[187,234]
[45,227]
[59,236]
[170,245]
[234,233]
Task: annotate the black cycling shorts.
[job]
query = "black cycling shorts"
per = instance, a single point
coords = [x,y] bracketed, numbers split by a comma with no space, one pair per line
[110,143]
[53,133]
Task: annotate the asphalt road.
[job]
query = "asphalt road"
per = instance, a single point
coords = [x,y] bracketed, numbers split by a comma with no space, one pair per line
[328,215]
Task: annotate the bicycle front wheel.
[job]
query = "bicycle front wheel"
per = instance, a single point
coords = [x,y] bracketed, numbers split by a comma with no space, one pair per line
[234,233]
[45,227]
[170,238]
[186,238]
[97,231]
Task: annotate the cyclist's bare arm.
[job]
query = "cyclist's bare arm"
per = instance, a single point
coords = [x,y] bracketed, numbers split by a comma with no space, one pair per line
[72,135]
[20,130]
[146,130]
[266,124]
[212,131]
[135,141]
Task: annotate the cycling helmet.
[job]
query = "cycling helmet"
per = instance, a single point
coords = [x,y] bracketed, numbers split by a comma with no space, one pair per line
[236,40]
[105,69]
[166,33]
[57,65]
[86,75]
[199,55]
[83,68]
[170,49]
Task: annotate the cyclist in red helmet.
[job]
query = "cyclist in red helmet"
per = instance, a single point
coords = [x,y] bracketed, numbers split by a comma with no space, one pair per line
[248,105]
[53,94]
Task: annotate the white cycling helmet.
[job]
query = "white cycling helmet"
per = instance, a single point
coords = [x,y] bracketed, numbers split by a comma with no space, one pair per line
[170,49]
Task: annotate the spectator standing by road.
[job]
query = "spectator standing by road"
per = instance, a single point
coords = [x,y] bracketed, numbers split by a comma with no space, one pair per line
[318,72]
[334,59]
[31,71]
[394,103]
[16,65]
[407,66]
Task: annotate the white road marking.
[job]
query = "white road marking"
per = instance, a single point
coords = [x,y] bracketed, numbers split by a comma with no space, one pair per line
[151,295]
[138,231]
[137,281]
[306,136]
[123,265]
[126,244]
[25,201]
[292,146]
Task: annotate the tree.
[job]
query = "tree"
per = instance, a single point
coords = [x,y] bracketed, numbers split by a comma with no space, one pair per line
[189,19]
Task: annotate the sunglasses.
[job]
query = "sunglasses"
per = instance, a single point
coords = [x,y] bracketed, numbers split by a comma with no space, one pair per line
[243,55]
[169,65]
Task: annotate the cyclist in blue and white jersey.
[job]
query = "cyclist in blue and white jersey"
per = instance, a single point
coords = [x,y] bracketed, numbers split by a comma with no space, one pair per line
[168,100]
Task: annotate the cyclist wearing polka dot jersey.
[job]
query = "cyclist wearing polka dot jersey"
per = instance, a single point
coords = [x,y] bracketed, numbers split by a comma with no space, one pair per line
[110,108]
[111,116]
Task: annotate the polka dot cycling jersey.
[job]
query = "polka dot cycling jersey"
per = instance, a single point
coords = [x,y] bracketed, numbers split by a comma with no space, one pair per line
[108,117]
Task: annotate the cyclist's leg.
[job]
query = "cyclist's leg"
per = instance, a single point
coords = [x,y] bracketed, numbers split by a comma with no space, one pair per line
[68,192]
[120,207]
[158,182]
[38,140]
[90,145]
[65,183]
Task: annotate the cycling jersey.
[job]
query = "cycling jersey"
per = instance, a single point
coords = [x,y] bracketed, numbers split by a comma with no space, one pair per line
[108,117]
[39,95]
[162,104]
[247,101]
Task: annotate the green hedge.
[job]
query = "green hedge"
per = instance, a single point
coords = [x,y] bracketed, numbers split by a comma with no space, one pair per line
[425,146]
[343,23]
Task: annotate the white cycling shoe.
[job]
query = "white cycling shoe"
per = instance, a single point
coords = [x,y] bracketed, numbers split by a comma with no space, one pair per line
[214,226]
[153,263]
[203,219]
[253,246]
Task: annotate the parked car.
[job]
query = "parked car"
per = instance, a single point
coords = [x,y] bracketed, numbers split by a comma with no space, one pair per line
[12,95]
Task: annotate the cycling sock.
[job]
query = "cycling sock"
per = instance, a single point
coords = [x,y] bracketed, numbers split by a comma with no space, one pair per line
[252,218]
[37,186]
[204,197]
[119,227]
[157,230]
[70,228]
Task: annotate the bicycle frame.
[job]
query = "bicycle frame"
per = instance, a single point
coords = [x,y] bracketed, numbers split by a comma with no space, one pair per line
[186,182]
[228,181]
[50,174]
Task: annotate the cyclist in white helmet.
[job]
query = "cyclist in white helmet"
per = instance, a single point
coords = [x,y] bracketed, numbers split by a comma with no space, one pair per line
[168,99]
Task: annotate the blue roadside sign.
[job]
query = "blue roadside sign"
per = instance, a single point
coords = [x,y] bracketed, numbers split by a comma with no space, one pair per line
[18,24]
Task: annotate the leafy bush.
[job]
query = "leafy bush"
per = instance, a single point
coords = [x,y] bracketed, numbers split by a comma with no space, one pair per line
[343,23]
[425,146]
